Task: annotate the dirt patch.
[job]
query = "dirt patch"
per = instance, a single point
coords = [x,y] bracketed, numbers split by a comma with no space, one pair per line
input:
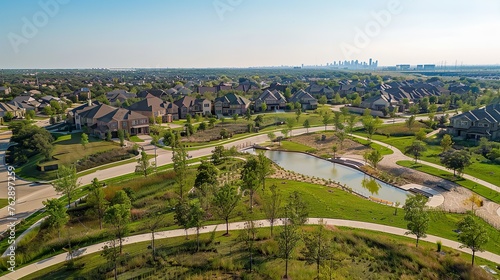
[213,134]
[324,147]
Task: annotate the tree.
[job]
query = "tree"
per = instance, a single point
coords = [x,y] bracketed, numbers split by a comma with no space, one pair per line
[250,178]
[297,209]
[338,121]
[287,240]
[66,182]
[121,137]
[263,107]
[410,122]
[84,140]
[248,236]
[322,100]
[57,214]
[218,155]
[179,158]
[108,136]
[118,217]
[156,222]
[272,206]
[307,125]
[374,157]
[8,116]
[456,160]
[111,253]
[334,150]
[298,112]
[415,149]
[351,122]
[341,136]
[326,119]
[284,131]
[446,142]
[225,201]
[44,145]
[421,135]
[181,215]
[258,120]
[371,125]
[417,216]
[473,235]
[144,166]
[96,200]
[235,117]
[211,122]
[290,123]
[121,197]
[271,136]
[263,168]
[317,248]
[248,115]
[195,219]
[474,200]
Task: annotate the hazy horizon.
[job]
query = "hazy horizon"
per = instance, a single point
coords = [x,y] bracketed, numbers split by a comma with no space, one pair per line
[69,34]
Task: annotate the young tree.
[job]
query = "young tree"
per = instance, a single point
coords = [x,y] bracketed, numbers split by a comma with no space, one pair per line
[195,219]
[371,125]
[338,121]
[307,125]
[298,112]
[96,200]
[181,215]
[248,115]
[341,136]
[351,122]
[417,216]
[297,208]
[456,160]
[235,117]
[334,150]
[248,236]
[473,235]
[179,157]
[218,155]
[415,149]
[258,120]
[374,158]
[271,136]
[121,137]
[144,166]
[263,107]
[326,119]
[420,135]
[111,253]
[284,131]
[225,201]
[446,142]
[108,136]
[154,223]
[272,206]
[290,123]
[322,100]
[250,178]
[410,122]
[66,182]
[287,240]
[57,214]
[317,248]
[263,168]
[474,200]
[84,140]
[118,217]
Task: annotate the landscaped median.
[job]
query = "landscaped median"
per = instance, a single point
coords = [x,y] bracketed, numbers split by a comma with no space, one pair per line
[475,187]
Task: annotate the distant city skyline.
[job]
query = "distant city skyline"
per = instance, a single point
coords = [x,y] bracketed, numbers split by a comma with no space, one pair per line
[243,33]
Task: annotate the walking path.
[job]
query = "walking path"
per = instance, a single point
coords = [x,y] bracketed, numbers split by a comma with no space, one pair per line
[27,270]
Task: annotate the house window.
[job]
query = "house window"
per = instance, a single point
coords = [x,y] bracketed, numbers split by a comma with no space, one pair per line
[124,124]
[206,105]
[134,122]
[464,123]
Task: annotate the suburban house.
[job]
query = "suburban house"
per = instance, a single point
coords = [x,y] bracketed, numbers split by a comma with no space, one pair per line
[306,100]
[155,92]
[82,94]
[231,104]
[274,100]
[191,106]
[119,95]
[319,90]
[379,102]
[5,90]
[26,101]
[100,118]
[154,106]
[483,122]
[16,111]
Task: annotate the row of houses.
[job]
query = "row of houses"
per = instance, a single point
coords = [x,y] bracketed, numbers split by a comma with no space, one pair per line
[478,123]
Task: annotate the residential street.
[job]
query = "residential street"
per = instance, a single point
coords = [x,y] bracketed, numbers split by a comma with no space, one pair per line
[24,271]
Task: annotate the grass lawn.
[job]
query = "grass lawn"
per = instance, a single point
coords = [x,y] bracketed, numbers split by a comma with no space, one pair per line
[295,147]
[477,188]
[136,139]
[479,168]
[3,202]
[67,150]
[356,251]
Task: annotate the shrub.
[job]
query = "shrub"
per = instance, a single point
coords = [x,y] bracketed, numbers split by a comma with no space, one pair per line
[439,244]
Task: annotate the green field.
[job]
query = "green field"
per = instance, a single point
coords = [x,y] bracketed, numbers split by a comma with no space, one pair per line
[136,139]
[294,146]
[3,202]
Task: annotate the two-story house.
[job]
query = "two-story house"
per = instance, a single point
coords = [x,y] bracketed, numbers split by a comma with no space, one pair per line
[231,104]
[154,106]
[483,122]
[191,106]
[274,100]
[306,100]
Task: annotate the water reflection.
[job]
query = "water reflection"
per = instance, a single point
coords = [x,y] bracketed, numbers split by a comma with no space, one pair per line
[371,185]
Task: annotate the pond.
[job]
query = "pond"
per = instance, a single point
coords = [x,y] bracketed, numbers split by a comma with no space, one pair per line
[353,178]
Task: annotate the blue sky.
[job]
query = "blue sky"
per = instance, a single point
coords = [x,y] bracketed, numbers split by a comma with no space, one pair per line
[242,33]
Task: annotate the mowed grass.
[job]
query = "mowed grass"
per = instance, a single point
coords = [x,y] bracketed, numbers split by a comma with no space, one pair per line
[475,187]
[136,139]
[357,254]
[67,150]
[3,202]
[480,168]
[294,146]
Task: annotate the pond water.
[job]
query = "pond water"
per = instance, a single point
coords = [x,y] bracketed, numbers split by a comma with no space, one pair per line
[355,179]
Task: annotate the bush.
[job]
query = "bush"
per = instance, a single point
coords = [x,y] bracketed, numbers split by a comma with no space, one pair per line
[439,244]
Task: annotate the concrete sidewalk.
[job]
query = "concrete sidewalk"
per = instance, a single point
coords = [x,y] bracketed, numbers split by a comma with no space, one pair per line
[27,270]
